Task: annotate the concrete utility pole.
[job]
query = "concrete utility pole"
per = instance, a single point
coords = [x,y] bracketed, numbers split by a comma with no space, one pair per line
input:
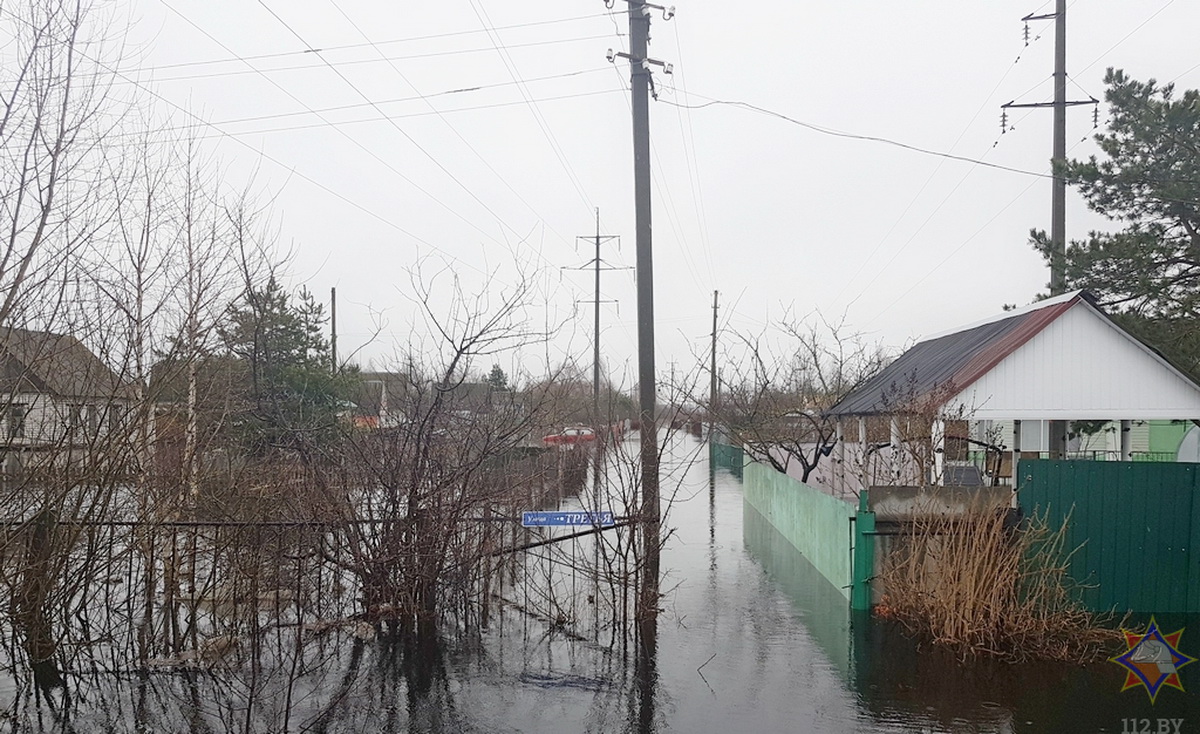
[639,79]
[1058,156]
[1058,198]
[1058,192]
[650,514]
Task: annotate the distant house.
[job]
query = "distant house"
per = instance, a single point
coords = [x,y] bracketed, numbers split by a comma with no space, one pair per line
[212,381]
[57,399]
[980,397]
[384,399]
[380,400]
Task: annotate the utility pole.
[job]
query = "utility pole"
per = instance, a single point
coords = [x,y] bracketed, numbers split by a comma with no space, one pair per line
[651,513]
[712,381]
[1058,157]
[333,329]
[597,264]
[1058,191]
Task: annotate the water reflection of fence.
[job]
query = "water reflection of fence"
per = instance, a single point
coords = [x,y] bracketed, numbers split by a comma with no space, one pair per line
[160,595]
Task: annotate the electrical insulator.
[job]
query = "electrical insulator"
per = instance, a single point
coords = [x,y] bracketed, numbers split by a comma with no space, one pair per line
[1003,121]
[1095,116]
[1026,34]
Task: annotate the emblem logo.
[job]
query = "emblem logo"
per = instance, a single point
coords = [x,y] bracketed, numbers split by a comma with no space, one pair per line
[1153,660]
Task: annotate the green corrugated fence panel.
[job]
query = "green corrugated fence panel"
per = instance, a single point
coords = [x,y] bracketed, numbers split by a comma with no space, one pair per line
[1193,546]
[1136,527]
[724,456]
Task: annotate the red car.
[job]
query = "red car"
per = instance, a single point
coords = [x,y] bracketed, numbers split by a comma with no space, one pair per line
[570,436]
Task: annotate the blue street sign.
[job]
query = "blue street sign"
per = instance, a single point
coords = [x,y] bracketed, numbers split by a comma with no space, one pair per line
[560,519]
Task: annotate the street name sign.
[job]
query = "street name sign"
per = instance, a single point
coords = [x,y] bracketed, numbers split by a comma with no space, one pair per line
[566,519]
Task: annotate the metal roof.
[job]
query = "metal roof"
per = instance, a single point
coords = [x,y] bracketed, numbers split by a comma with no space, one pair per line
[54,363]
[944,365]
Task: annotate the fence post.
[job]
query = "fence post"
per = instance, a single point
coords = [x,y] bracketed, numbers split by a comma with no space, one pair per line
[864,555]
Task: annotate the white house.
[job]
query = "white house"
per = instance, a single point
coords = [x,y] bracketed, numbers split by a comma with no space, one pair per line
[1006,380]
[58,400]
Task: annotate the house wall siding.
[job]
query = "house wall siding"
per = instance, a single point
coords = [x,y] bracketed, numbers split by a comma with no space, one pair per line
[1081,366]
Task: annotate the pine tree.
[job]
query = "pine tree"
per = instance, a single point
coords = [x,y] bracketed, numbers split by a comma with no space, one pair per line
[1147,272]
[290,398]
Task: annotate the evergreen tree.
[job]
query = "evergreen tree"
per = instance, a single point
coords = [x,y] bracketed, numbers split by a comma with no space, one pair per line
[497,379]
[1148,271]
[290,398]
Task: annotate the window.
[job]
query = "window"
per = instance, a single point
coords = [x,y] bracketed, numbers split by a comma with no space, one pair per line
[75,416]
[16,420]
[118,418]
[1035,435]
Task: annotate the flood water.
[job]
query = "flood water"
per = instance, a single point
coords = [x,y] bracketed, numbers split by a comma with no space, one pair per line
[751,639]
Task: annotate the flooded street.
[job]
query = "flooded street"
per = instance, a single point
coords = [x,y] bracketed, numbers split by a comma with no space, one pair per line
[750,639]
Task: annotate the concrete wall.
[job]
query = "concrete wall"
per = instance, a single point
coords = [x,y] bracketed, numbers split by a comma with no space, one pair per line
[817,524]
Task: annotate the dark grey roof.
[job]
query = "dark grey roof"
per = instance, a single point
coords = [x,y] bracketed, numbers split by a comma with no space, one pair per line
[947,364]
[54,363]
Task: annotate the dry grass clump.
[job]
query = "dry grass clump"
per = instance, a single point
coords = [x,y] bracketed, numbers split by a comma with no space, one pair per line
[976,584]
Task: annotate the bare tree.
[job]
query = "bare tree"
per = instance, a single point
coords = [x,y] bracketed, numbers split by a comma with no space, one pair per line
[773,400]
[56,125]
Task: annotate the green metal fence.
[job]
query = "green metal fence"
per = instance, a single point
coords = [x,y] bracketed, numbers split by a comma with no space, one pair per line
[724,456]
[1136,527]
[817,524]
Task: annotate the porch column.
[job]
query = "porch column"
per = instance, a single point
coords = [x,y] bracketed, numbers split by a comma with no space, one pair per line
[864,458]
[894,425]
[1016,452]
[938,440]
[1126,440]
[839,473]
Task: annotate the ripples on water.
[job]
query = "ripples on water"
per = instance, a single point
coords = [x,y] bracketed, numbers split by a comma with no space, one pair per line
[752,640]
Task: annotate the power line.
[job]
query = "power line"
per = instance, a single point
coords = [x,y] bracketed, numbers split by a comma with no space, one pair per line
[502,52]
[339,130]
[851,136]
[395,126]
[399,100]
[1126,37]
[359,62]
[263,154]
[693,163]
[863,262]
[362,120]
[343,47]
[956,250]
[453,129]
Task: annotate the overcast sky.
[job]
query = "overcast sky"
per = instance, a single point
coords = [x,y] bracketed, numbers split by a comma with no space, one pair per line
[493,130]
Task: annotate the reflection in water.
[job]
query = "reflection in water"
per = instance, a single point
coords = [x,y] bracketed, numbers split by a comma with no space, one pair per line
[750,639]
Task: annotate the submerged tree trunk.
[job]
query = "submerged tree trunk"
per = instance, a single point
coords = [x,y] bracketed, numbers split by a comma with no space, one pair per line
[32,612]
